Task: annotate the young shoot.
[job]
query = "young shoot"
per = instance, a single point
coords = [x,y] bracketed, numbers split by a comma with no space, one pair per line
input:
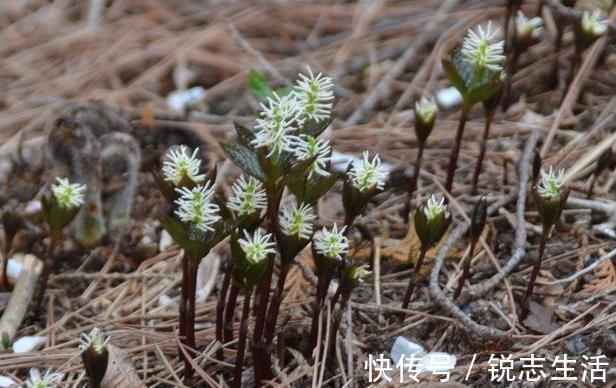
[315,96]
[297,221]
[331,243]
[248,197]
[195,206]
[48,379]
[180,167]
[93,348]
[308,147]
[277,124]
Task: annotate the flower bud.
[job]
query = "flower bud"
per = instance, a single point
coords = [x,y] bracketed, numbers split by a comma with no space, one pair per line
[550,196]
[592,27]
[478,218]
[94,354]
[432,220]
[425,115]
[354,275]
[528,31]
[364,178]
[250,257]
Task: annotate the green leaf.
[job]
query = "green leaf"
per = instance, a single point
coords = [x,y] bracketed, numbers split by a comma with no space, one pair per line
[258,86]
[317,186]
[455,78]
[176,230]
[56,216]
[314,129]
[244,159]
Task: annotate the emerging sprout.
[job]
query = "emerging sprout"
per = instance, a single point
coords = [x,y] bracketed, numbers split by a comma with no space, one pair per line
[332,244]
[276,123]
[47,380]
[434,207]
[315,96]
[248,196]
[296,221]
[593,24]
[357,273]
[68,195]
[480,50]
[195,206]
[367,174]
[431,221]
[178,165]
[528,30]
[308,147]
[94,354]
[256,247]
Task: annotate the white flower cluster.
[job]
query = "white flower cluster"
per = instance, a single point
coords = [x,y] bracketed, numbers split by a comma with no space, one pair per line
[195,206]
[331,243]
[297,221]
[551,183]
[47,380]
[256,247]
[434,207]
[282,116]
[480,50]
[248,196]
[593,23]
[178,163]
[96,339]
[367,174]
[307,147]
[68,195]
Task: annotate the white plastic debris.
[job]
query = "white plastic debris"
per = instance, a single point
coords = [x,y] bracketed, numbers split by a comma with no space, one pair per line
[13,267]
[164,300]
[179,100]
[6,382]
[33,207]
[404,347]
[28,343]
[437,362]
[449,97]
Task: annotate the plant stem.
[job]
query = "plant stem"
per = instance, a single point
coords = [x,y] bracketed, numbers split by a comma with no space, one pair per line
[513,68]
[241,346]
[455,151]
[322,287]
[413,279]
[272,316]
[465,269]
[557,45]
[533,275]
[230,313]
[575,62]
[183,302]
[220,307]
[337,319]
[190,317]
[413,184]
[482,150]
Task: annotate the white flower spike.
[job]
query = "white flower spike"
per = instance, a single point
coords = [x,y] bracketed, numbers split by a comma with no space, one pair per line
[307,147]
[331,243]
[593,23]
[426,109]
[97,339]
[68,195]
[434,207]
[178,163]
[47,380]
[551,183]
[528,28]
[248,196]
[315,95]
[296,221]
[276,124]
[367,174]
[257,247]
[195,206]
[480,50]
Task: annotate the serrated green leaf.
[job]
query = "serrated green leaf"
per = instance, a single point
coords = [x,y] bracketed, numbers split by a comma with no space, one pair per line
[259,86]
[244,159]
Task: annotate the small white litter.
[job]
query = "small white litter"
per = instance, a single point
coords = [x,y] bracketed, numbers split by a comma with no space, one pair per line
[165,241]
[449,97]
[403,347]
[164,300]
[28,343]
[179,100]
[13,267]
[6,382]
[341,161]
[33,207]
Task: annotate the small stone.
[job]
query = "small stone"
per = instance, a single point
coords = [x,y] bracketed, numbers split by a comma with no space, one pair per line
[404,347]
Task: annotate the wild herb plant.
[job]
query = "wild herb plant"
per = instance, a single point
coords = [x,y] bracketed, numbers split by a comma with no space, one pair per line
[425,116]
[48,379]
[95,356]
[550,196]
[432,219]
[475,69]
[60,207]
